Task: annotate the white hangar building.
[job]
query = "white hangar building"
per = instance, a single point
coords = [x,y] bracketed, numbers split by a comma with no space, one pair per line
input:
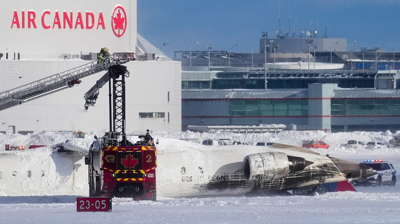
[44,38]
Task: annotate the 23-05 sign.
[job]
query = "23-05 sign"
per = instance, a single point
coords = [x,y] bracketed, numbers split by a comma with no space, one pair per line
[93,205]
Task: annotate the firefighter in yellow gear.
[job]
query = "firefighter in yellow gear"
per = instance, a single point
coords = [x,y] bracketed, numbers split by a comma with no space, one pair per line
[103,55]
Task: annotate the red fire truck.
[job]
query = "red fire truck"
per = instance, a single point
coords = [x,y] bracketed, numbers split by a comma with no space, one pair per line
[118,167]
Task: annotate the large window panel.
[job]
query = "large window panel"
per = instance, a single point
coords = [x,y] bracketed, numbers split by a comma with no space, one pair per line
[338,112]
[280,113]
[199,85]
[382,102]
[251,104]
[381,107]
[338,107]
[352,107]
[352,101]
[237,107]
[382,112]
[338,101]
[267,113]
[280,106]
[252,113]
[367,102]
[304,112]
[237,102]
[367,107]
[252,108]
[353,112]
[364,107]
[394,112]
[268,108]
[394,106]
[366,112]
[295,113]
[266,105]
[146,114]
[184,85]
[238,113]
[294,104]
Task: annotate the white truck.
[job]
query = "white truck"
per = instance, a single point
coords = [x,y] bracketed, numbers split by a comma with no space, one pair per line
[353,144]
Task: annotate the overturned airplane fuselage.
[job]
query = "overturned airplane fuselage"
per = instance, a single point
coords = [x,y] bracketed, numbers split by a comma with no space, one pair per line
[249,168]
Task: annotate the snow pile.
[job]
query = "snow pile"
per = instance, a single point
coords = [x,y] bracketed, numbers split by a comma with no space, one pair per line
[48,195]
[43,171]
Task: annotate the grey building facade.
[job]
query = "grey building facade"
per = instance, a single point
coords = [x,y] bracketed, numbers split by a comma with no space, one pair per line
[320,107]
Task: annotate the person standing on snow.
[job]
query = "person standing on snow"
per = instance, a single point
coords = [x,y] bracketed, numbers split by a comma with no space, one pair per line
[148,138]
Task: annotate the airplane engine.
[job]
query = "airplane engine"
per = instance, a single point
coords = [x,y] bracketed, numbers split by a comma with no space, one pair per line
[266,166]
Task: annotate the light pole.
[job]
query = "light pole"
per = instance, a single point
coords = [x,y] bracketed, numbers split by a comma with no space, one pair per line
[190,55]
[363,59]
[353,43]
[209,56]
[197,43]
[309,42]
[253,57]
[229,54]
[351,55]
[315,57]
[265,35]
[308,57]
[393,59]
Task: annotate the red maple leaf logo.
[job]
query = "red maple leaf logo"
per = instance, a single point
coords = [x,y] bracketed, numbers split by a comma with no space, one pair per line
[119,23]
[129,162]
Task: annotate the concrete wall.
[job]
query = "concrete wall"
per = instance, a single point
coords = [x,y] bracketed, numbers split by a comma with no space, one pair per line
[146,91]
[319,106]
[45,36]
[205,108]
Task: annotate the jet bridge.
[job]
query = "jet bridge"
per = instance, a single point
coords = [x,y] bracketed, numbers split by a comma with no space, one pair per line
[59,81]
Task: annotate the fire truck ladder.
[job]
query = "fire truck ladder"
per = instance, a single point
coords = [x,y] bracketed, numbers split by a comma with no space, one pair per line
[59,81]
[116,81]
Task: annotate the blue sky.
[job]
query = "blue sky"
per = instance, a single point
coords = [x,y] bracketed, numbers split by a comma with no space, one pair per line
[224,23]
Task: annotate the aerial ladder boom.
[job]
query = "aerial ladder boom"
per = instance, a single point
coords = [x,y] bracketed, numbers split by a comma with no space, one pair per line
[91,95]
[59,81]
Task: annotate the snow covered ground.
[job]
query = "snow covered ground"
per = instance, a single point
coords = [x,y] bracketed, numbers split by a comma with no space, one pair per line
[50,197]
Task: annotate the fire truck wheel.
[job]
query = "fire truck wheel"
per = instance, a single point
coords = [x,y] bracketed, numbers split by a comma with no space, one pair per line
[91,187]
[97,191]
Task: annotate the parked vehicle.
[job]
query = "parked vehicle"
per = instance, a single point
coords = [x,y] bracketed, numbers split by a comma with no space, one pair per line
[353,144]
[315,144]
[239,143]
[395,142]
[264,143]
[375,145]
[13,147]
[213,142]
[386,174]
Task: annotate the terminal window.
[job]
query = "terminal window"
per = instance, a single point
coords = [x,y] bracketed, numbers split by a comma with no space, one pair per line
[268,107]
[365,107]
[151,115]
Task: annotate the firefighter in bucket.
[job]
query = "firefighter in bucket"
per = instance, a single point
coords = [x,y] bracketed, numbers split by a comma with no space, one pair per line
[103,56]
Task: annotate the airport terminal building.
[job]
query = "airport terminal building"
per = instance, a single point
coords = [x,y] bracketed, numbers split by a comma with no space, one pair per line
[310,83]
[47,38]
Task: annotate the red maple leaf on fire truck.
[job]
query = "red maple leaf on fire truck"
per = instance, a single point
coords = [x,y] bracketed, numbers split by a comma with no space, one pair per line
[119,21]
[129,162]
